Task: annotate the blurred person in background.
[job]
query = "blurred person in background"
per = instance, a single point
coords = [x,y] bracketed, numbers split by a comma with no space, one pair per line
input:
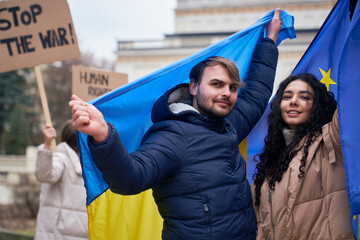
[62,210]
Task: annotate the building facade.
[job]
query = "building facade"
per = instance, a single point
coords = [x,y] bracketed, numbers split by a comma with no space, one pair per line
[200,23]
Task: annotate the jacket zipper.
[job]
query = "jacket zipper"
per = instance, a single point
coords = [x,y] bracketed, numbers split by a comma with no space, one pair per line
[271,214]
[206,209]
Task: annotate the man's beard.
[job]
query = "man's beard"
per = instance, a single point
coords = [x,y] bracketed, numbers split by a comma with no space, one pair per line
[212,111]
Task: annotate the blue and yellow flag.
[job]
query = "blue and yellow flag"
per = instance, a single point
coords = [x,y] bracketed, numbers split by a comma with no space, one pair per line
[333,58]
[113,216]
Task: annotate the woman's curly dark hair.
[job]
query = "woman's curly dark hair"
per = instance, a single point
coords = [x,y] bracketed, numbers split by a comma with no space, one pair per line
[274,158]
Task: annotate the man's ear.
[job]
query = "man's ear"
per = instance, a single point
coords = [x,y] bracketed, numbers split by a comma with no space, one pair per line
[193,87]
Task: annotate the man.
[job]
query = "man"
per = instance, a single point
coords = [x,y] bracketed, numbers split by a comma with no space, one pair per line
[190,156]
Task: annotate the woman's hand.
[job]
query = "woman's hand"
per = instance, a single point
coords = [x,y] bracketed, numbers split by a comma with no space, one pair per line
[49,135]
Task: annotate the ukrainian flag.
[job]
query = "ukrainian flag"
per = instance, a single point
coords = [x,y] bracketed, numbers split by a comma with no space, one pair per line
[113,216]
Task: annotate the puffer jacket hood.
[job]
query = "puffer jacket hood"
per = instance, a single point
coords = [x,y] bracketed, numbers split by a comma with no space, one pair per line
[178,94]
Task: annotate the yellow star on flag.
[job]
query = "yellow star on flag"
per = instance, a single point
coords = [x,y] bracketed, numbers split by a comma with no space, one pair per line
[326,78]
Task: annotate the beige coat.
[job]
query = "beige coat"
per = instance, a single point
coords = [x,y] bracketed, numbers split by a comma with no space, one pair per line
[313,207]
[62,212]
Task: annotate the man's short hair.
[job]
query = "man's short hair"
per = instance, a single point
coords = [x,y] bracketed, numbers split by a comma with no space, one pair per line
[197,71]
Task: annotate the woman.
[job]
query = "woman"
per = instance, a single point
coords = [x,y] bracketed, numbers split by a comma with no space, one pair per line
[62,212]
[299,189]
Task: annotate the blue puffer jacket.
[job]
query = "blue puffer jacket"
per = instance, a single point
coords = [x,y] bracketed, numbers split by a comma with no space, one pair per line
[192,162]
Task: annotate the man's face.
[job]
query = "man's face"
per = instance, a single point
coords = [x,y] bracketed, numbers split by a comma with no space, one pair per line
[216,94]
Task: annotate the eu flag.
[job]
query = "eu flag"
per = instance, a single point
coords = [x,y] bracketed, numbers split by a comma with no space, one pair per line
[114,216]
[333,58]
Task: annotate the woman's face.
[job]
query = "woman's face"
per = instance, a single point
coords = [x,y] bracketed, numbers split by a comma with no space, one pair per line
[296,103]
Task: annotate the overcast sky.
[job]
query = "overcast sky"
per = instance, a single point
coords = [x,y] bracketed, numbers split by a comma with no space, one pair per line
[99,24]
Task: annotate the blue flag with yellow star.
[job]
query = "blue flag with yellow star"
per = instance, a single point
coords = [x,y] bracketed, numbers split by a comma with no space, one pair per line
[333,57]
[323,56]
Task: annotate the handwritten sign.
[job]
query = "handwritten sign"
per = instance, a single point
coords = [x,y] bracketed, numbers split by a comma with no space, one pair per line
[89,83]
[35,32]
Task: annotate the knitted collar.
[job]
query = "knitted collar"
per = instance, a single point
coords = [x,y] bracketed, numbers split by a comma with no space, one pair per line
[288,135]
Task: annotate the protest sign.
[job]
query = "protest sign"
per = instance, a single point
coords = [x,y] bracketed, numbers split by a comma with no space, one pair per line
[35,32]
[89,83]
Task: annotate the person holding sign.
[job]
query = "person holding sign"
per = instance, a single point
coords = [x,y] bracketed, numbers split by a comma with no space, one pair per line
[62,211]
[190,156]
